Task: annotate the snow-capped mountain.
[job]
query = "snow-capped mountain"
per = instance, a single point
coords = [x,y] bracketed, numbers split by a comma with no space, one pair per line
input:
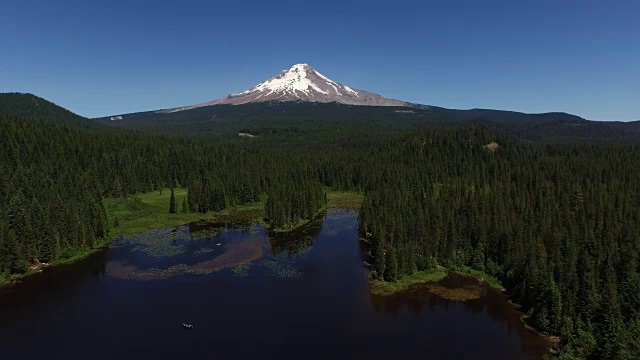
[302,83]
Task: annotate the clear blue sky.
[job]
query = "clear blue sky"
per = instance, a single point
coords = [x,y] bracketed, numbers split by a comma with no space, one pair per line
[581,57]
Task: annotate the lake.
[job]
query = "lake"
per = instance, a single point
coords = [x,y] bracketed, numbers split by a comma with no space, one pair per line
[300,295]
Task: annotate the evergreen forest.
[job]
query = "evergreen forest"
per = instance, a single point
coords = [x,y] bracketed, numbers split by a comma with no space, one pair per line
[557,223]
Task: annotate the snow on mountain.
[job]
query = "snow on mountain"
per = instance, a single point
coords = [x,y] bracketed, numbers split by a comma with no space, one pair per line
[302,83]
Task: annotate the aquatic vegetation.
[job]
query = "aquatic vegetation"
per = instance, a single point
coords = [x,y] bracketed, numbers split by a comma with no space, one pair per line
[238,256]
[161,243]
[130,272]
[155,242]
[242,270]
[207,233]
[470,292]
[254,229]
[294,242]
[234,254]
[203,251]
[305,251]
[281,267]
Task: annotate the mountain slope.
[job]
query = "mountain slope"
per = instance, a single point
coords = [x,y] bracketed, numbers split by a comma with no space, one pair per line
[302,83]
[29,106]
[302,98]
[296,118]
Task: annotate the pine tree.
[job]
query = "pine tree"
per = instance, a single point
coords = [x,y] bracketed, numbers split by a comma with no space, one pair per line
[172,203]
[185,207]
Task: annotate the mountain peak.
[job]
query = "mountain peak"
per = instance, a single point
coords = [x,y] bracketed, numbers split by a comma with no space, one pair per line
[302,82]
[300,66]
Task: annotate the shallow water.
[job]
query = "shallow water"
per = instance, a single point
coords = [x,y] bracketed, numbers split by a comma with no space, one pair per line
[302,295]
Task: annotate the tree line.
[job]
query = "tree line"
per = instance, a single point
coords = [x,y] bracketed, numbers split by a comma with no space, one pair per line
[557,224]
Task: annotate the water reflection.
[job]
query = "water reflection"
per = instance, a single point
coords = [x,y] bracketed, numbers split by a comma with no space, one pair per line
[296,242]
[492,305]
[249,292]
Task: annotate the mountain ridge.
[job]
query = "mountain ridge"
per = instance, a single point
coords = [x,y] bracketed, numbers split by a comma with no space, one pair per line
[292,116]
[30,106]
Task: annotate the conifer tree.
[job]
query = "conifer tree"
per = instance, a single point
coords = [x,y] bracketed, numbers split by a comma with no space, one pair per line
[185,207]
[172,203]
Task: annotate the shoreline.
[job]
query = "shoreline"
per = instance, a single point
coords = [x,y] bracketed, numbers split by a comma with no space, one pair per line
[387,288]
[335,199]
[142,212]
[154,217]
[382,288]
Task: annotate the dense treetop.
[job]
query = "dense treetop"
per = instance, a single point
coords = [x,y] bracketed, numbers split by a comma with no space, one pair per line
[558,224]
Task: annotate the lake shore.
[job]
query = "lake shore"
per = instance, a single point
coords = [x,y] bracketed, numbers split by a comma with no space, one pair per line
[385,288]
[335,199]
[141,212]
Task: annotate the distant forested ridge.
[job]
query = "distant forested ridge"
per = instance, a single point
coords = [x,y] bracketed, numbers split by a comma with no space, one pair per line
[271,120]
[27,106]
[558,224]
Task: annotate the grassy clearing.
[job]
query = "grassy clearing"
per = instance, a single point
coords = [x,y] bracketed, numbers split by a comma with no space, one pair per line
[146,211]
[480,275]
[387,288]
[142,212]
[350,200]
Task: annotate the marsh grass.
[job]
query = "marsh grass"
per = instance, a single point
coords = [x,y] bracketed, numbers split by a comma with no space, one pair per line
[378,287]
[345,200]
[464,293]
[204,251]
[141,212]
[146,211]
[281,267]
[234,254]
[480,275]
[242,269]
[130,272]
[155,242]
[207,233]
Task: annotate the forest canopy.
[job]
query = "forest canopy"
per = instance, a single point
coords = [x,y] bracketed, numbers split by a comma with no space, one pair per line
[558,224]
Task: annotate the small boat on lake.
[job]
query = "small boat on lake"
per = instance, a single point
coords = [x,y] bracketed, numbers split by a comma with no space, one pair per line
[187,326]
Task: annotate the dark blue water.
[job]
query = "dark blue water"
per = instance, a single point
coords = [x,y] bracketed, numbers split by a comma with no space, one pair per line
[248,295]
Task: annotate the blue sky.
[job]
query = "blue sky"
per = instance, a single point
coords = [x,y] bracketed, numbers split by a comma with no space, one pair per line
[97,59]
